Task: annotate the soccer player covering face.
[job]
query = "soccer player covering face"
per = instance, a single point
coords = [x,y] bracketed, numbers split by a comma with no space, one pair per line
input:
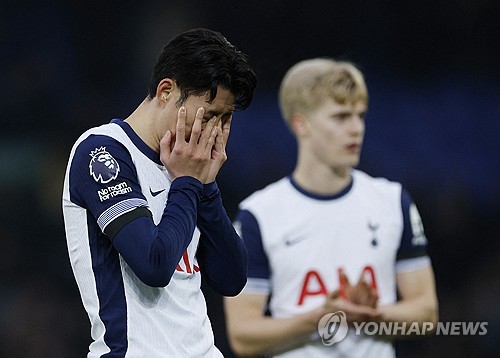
[143,214]
[328,238]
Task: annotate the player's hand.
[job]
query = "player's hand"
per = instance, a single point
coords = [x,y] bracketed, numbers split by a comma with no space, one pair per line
[362,293]
[193,157]
[354,312]
[218,155]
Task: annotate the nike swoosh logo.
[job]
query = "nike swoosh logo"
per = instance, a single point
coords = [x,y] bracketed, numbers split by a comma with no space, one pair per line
[155,193]
[293,241]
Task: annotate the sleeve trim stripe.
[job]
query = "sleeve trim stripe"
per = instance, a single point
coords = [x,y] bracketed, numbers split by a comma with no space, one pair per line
[413,264]
[118,209]
[257,285]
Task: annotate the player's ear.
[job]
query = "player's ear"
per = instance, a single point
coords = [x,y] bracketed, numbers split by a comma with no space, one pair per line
[299,125]
[165,89]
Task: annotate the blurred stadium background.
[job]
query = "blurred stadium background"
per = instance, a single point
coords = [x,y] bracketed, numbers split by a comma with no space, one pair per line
[433,73]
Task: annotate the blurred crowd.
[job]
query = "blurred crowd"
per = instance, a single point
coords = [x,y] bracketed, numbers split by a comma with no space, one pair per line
[433,124]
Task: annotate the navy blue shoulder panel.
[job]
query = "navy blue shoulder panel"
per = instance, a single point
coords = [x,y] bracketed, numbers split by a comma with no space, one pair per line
[413,240]
[258,264]
[102,174]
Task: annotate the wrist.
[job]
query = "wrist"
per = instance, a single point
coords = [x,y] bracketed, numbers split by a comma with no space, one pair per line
[210,190]
[315,316]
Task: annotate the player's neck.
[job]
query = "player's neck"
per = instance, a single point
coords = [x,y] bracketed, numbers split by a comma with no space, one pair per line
[140,122]
[321,179]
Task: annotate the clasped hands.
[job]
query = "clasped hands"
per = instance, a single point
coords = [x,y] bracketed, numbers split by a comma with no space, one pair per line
[359,301]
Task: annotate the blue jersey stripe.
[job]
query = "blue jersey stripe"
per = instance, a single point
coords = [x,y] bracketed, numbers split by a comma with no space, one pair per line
[110,290]
[407,247]
[258,265]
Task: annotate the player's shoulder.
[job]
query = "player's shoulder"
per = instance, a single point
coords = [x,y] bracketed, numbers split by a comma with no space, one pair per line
[269,195]
[104,140]
[105,132]
[364,180]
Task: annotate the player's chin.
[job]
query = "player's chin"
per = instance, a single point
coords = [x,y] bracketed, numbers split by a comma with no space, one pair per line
[351,162]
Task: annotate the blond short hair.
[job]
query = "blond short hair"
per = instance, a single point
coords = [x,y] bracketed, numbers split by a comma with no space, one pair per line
[310,82]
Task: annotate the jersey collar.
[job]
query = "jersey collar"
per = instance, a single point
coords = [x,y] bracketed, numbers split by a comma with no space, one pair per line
[138,142]
[319,196]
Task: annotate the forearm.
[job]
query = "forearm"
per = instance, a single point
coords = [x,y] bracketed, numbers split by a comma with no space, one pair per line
[418,302]
[268,335]
[222,255]
[419,310]
[153,252]
[223,264]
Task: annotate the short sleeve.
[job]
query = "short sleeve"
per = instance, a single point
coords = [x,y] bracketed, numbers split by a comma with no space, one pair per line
[412,252]
[258,266]
[103,180]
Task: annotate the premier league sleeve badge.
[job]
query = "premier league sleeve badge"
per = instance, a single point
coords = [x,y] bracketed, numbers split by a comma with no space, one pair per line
[103,167]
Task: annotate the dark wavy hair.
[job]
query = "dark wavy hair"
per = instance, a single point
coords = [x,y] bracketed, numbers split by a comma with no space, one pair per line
[200,60]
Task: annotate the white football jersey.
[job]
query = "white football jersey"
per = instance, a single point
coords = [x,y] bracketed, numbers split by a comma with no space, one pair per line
[298,241]
[117,173]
